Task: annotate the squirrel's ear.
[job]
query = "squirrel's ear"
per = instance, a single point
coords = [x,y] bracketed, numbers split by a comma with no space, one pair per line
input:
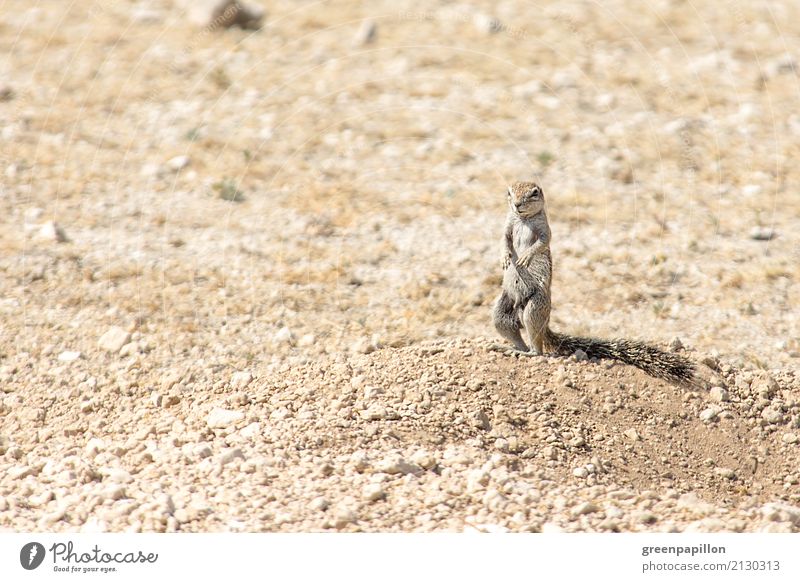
[509,190]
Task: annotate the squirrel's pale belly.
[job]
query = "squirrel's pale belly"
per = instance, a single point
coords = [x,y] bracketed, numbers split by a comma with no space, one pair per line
[522,283]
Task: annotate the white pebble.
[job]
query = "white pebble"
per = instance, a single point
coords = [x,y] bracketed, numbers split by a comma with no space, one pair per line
[374,492]
[51,231]
[178,163]
[710,413]
[221,418]
[584,509]
[113,339]
[396,465]
[719,394]
[366,34]
[283,335]
[240,380]
[632,434]
[762,233]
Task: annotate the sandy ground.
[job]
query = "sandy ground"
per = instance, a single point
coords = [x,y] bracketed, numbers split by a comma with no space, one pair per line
[246,276]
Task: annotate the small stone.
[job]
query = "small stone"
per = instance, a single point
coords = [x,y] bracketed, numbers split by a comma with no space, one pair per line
[51,231]
[68,356]
[360,461]
[396,465]
[501,445]
[676,345]
[580,356]
[49,519]
[221,418]
[95,446]
[781,512]
[480,420]
[228,455]
[550,453]
[40,500]
[170,400]
[362,346]
[373,391]
[307,340]
[367,33]
[725,473]
[142,15]
[374,492]
[151,170]
[284,335]
[166,503]
[580,472]
[762,233]
[477,480]
[789,438]
[424,459]
[240,380]
[719,394]
[710,414]
[374,412]
[115,492]
[344,516]
[113,339]
[251,430]
[584,509]
[486,24]
[203,451]
[772,415]
[156,399]
[129,349]
[214,15]
[319,504]
[632,434]
[781,65]
[6,93]
[86,406]
[118,476]
[178,163]
[644,517]
[764,385]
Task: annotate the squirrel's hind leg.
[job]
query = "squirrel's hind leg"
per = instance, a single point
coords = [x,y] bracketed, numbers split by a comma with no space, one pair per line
[535,319]
[506,321]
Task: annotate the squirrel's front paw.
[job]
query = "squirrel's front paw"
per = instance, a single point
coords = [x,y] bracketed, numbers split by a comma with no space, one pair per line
[524,261]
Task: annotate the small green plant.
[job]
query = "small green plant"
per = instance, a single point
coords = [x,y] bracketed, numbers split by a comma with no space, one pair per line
[545,158]
[227,190]
[193,134]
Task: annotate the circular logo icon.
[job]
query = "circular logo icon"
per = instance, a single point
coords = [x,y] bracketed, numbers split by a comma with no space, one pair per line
[31,555]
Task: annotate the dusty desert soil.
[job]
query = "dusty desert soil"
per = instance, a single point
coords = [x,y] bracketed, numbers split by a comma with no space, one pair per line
[245,276]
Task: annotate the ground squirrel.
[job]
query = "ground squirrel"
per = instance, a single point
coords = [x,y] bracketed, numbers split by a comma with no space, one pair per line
[524,303]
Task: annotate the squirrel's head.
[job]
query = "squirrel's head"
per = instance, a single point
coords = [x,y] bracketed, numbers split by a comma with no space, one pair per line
[526,198]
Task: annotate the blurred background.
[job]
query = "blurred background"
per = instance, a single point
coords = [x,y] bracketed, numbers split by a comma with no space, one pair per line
[267,181]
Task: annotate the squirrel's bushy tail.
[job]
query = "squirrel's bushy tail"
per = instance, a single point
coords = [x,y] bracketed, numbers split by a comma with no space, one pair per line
[649,359]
